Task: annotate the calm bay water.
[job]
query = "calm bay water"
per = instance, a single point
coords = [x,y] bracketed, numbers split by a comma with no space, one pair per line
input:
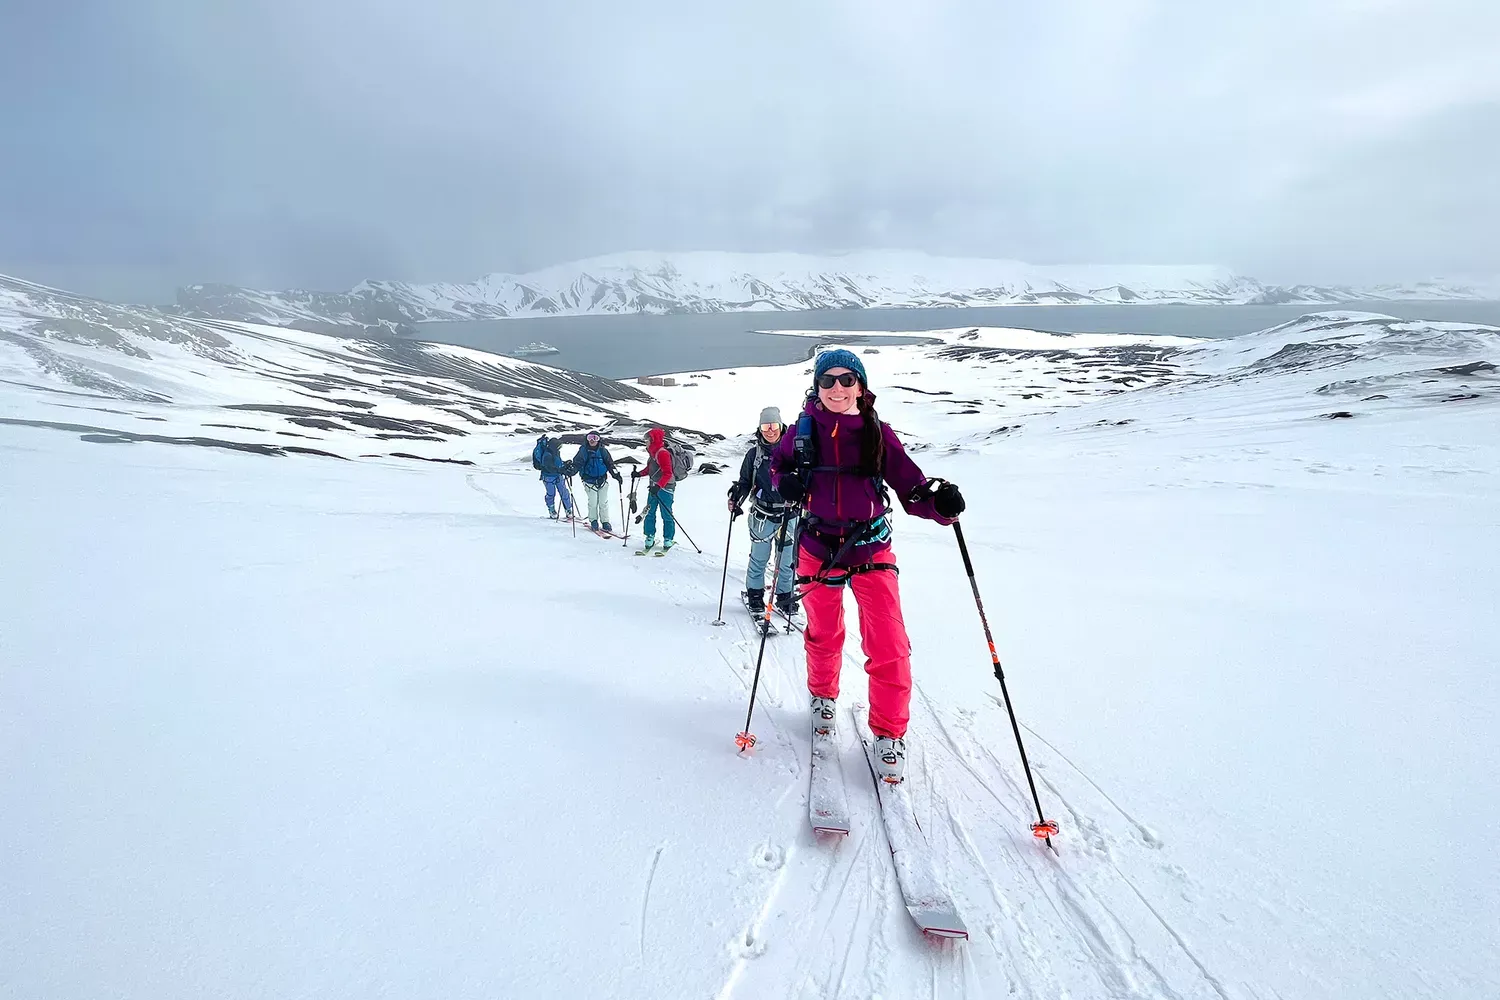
[628,346]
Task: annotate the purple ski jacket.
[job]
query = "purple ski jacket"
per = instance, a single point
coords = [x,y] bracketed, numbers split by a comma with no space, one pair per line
[842,496]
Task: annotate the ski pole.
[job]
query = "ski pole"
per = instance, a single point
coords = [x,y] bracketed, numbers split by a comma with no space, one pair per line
[623,517]
[678,523]
[573,503]
[746,739]
[723,581]
[790,624]
[1042,829]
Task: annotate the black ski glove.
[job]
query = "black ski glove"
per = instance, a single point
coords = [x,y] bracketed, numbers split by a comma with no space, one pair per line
[618,480]
[947,501]
[791,489]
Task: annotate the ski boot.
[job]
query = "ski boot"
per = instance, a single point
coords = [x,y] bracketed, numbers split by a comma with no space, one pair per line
[755,602]
[647,547]
[787,603]
[552,513]
[594,526]
[666,546]
[607,529]
[890,759]
[823,713]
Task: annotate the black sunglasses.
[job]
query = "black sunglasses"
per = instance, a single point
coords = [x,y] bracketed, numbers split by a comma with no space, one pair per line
[846,380]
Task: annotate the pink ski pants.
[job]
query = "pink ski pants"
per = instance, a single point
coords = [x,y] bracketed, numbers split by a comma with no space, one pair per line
[882,636]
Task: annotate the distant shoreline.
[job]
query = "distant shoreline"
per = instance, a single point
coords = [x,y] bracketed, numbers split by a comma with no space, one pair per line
[631,345]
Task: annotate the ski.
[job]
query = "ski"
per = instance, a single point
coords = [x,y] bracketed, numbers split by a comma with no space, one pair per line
[928,902]
[758,619]
[827,803]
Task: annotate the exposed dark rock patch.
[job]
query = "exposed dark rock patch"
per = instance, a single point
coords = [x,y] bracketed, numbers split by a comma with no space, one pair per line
[420,458]
[1472,368]
[317,423]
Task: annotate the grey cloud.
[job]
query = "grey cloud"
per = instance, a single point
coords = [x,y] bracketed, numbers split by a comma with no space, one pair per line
[281,142]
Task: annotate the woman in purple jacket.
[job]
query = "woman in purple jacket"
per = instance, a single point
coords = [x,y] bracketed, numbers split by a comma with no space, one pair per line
[838,473]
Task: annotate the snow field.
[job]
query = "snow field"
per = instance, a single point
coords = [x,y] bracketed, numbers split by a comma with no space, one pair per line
[296,726]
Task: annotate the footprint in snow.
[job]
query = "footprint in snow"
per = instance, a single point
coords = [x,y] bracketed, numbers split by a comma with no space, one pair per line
[769,856]
[748,945]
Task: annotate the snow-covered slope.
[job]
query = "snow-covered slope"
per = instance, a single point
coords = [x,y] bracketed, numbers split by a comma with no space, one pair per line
[347,729]
[706,282]
[126,373]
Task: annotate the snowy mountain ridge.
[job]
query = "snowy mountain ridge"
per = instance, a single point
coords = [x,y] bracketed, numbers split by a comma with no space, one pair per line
[252,386]
[132,373]
[716,282]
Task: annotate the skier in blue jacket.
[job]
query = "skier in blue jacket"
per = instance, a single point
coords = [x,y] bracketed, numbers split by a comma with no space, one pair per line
[596,467]
[546,458]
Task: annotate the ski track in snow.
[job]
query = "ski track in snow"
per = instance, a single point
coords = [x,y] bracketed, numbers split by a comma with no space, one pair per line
[646,896]
[835,907]
[960,786]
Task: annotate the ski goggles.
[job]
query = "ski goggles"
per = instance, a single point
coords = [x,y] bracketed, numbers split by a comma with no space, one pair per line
[847,380]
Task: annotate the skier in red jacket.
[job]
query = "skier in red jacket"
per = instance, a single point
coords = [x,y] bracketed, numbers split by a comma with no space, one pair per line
[661,489]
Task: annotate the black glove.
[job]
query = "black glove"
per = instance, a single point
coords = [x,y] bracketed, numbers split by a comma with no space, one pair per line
[618,480]
[632,503]
[637,473]
[791,489]
[652,490]
[568,470]
[947,501]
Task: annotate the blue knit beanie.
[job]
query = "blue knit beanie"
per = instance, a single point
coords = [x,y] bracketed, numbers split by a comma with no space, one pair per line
[841,359]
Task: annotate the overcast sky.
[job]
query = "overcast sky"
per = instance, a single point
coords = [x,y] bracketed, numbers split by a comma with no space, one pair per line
[150,143]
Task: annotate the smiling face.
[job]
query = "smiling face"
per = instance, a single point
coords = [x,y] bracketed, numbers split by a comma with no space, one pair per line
[839,398]
[771,432]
